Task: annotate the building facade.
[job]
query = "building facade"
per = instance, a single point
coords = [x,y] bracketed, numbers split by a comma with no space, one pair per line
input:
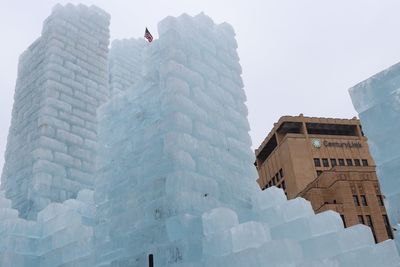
[326,161]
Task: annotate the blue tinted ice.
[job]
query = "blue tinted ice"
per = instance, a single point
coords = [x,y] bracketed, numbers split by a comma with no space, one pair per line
[377,100]
[168,157]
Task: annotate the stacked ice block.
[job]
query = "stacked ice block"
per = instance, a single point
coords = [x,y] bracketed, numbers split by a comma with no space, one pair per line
[62,79]
[174,180]
[62,235]
[125,63]
[377,100]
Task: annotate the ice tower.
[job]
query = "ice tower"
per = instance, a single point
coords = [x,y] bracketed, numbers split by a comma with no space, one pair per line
[173,181]
[62,79]
[178,141]
[377,100]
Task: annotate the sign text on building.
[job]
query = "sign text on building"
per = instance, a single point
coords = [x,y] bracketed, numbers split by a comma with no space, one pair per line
[343,144]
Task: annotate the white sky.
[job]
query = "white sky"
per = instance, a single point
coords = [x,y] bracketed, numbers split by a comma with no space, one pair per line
[298,56]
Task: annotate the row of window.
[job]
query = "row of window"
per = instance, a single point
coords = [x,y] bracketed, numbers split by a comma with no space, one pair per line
[371,225]
[340,162]
[280,185]
[276,178]
[364,200]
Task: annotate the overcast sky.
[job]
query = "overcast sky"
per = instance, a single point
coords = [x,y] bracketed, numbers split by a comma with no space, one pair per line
[298,56]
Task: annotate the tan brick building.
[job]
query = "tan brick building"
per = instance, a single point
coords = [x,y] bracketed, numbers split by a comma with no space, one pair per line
[326,161]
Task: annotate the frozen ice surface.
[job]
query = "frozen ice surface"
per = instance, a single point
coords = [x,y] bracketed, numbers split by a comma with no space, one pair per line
[377,100]
[62,79]
[174,176]
[62,235]
[125,63]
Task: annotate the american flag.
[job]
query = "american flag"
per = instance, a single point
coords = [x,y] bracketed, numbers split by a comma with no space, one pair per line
[148,35]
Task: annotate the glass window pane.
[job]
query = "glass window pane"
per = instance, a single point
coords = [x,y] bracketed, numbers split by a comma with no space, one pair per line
[325,162]
[317,162]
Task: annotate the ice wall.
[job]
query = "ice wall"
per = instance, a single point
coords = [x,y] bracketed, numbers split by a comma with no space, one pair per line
[175,179]
[62,79]
[62,235]
[125,63]
[377,100]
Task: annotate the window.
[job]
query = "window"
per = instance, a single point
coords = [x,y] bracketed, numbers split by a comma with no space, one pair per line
[370,224]
[281,173]
[273,181]
[270,183]
[387,226]
[325,162]
[380,200]
[364,200]
[151,260]
[355,199]
[333,162]
[361,219]
[319,173]
[341,162]
[277,177]
[279,185]
[364,162]
[283,185]
[349,162]
[357,162]
[317,163]
[343,219]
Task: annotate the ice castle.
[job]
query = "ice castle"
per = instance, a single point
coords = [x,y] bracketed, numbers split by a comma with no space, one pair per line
[377,100]
[139,155]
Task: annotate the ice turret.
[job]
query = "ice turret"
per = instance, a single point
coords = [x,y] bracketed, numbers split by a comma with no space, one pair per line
[62,79]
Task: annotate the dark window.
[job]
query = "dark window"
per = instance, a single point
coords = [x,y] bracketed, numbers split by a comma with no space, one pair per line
[319,173]
[361,219]
[343,219]
[380,200]
[333,162]
[371,225]
[387,226]
[357,162]
[270,183]
[283,185]
[151,260]
[279,185]
[341,162]
[349,162]
[281,173]
[277,177]
[355,199]
[325,162]
[364,200]
[273,181]
[364,162]
[331,129]
[317,163]
[268,148]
